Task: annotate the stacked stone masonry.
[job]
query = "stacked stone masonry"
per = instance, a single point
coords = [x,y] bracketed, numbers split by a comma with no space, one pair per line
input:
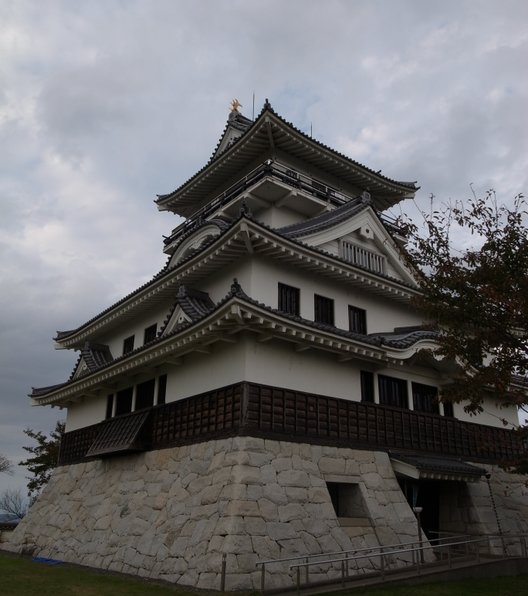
[173,513]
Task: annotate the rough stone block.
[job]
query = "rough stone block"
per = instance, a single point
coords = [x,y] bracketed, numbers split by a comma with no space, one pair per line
[280,531]
[332,465]
[242,508]
[293,478]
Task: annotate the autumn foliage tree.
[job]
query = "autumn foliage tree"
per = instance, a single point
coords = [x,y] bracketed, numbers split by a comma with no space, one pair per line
[475,295]
[45,456]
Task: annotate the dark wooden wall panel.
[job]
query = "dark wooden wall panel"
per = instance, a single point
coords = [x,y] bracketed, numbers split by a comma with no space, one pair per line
[273,412]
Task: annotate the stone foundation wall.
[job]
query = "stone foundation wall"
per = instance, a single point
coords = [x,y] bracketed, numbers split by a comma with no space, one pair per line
[173,513]
[494,506]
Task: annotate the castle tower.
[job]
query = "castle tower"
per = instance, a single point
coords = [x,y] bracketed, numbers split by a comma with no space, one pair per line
[271,392]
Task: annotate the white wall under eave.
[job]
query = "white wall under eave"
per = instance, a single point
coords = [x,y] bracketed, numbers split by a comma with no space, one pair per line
[275,217]
[383,314]
[135,327]
[218,284]
[87,411]
[277,363]
[493,414]
[204,372]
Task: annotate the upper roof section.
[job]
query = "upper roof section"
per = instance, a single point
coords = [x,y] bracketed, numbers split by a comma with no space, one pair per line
[244,143]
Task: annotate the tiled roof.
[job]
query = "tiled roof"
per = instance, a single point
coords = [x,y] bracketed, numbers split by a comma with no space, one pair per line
[325,220]
[201,306]
[237,121]
[95,355]
[39,391]
[194,303]
[402,341]
[195,225]
[406,339]
[166,270]
[267,109]
[439,465]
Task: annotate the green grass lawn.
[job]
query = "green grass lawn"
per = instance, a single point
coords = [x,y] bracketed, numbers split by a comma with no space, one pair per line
[26,578]
[498,586]
[21,576]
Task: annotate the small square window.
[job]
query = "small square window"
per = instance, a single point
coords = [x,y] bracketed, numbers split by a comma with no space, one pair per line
[357,320]
[150,333]
[323,310]
[289,299]
[128,345]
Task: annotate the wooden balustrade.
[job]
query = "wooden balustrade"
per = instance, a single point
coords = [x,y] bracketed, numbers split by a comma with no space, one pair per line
[271,412]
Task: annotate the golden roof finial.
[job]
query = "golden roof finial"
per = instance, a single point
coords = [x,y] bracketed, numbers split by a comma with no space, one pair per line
[235,104]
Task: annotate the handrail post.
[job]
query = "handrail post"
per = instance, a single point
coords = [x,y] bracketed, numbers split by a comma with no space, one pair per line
[307,572]
[343,572]
[262,577]
[223,575]
[382,565]
[449,557]
[298,580]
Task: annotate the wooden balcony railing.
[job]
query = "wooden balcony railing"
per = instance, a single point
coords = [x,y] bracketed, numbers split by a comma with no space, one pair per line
[271,412]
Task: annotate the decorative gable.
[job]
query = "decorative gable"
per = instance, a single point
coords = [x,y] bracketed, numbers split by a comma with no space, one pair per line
[189,306]
[91,358]
[354,232]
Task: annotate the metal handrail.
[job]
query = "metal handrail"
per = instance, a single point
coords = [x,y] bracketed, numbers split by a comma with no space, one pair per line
[359,550]
[389,550]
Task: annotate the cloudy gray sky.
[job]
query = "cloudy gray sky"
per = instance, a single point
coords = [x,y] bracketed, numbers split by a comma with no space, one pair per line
[104,103]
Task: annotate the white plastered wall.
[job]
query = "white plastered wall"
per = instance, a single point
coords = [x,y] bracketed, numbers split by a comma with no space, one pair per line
[85,412]
[382,314]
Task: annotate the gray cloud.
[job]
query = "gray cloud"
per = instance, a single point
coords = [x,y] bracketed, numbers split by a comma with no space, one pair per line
[103,105]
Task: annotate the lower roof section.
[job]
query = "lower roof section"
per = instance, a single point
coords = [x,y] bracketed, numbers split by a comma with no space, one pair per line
[427,467]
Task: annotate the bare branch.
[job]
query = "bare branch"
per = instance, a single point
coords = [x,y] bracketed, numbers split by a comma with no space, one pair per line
[12,501]
[5,465]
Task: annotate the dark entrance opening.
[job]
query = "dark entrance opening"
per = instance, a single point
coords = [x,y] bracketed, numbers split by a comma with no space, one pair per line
[425,494]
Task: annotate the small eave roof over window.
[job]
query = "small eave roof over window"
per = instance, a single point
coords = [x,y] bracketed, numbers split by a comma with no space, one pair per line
[268,135]
[426,467]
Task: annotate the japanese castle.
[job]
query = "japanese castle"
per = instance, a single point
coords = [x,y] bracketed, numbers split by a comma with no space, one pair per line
[272,392]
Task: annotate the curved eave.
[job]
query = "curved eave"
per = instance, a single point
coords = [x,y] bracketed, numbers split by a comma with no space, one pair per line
[399,355]
[234,315]
[268,135]
[244,237]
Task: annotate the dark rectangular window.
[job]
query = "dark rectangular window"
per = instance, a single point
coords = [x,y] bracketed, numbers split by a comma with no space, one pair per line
[109,406]
[425,398]
[323,310]
[357,320]
[124,401]
[145,395]
[162,389]
[128,345]
[448,409]
[289,299]
[150,333]
[392,391]
[367,386]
